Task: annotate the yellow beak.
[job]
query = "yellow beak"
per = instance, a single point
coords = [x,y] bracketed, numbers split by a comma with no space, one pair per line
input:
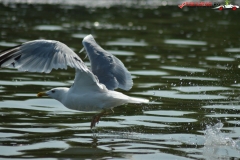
[40,94]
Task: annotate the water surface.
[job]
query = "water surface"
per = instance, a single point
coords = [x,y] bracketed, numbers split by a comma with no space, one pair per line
[186,62]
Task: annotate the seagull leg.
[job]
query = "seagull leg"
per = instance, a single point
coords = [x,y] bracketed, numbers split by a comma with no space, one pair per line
[96,118]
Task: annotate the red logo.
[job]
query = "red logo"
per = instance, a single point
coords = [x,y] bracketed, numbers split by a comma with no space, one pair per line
[209,4]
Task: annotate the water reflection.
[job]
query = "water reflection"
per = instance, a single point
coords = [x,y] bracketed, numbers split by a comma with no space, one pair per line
[186,69]
[177,95]
[48,27]
[8,44]
[126,42]
[232,50]
[79,35]
[148,72]
[184,42]
[217,58]
[121,53]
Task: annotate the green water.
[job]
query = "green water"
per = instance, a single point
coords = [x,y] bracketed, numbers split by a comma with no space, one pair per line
[185,61]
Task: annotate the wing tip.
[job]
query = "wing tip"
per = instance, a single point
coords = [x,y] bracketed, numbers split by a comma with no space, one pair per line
[7,54]
[87,39]
[117,73]
[127,86]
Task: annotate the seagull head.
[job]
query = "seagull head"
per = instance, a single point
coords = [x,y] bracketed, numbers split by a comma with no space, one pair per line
[55,93]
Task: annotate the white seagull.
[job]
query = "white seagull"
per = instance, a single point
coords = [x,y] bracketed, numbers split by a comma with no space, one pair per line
[92,90]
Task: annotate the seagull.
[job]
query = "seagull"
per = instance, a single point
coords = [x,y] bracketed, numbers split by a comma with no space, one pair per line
[93,88]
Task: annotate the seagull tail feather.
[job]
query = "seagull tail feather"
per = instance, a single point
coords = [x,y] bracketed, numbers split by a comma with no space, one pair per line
[137,100]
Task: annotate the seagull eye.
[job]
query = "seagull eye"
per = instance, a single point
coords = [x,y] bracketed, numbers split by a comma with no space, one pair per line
[53,91]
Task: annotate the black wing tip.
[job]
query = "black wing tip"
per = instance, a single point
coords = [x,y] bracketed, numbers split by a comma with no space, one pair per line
[7,54]
[9,48]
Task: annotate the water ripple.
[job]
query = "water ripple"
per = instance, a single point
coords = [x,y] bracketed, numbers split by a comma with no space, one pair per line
[184,42]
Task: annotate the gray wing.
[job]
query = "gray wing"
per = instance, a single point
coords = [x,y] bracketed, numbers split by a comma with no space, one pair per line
[41,56]
[109,69]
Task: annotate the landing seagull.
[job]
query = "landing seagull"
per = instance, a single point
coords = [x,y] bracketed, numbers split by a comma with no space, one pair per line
[92,90]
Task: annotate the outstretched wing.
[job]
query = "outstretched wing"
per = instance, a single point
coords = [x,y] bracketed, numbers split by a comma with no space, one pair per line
[109,69]
[41,56]
[45,55]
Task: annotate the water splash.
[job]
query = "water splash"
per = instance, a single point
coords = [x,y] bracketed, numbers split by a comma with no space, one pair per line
[219,145]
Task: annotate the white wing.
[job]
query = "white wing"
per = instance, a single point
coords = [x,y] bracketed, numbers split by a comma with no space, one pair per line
[109,69]
[85,81]
[45,55]
[41,56]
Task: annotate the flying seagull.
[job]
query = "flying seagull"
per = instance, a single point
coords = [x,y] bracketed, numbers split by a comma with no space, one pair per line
[92,90]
